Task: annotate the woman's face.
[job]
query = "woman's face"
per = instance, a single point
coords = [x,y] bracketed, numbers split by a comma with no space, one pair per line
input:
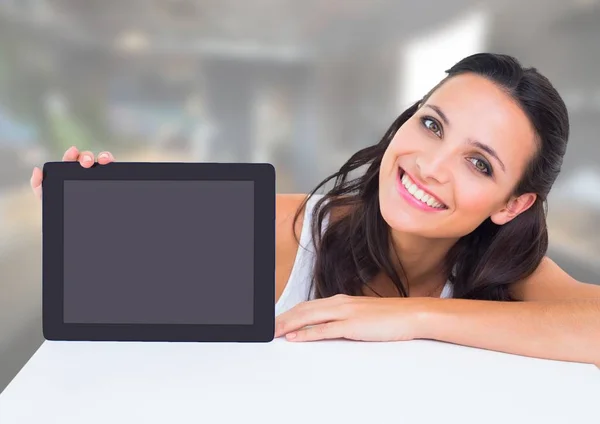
[456,162]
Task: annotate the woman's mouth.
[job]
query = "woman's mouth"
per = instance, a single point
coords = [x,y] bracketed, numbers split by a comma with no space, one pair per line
[416,195]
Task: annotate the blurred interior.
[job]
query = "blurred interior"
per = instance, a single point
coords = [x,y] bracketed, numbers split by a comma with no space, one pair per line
[300,84]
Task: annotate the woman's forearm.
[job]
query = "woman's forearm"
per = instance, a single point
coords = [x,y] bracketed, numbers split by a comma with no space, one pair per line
[559,330]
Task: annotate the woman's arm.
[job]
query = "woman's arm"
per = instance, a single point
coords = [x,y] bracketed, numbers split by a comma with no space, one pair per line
[558,318]
[567,330]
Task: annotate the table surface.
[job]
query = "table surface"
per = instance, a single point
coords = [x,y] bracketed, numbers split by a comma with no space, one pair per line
[283,382]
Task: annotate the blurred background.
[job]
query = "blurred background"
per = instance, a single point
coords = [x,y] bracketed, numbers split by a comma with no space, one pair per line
[300,84]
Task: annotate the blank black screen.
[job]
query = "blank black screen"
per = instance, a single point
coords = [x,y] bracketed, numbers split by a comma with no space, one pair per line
[159,252]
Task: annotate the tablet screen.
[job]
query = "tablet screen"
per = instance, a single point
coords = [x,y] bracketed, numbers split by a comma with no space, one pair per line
[158,252]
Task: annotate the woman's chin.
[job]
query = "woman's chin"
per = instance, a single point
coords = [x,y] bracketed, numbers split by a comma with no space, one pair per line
[403,221]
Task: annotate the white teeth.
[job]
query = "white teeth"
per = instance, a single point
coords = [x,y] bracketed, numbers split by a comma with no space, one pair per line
[419,194]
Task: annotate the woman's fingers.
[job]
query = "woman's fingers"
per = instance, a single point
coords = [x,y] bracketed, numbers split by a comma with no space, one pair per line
[72,154]
[86,159]
[105,157]
[314,312]
[36,182]
[327,330]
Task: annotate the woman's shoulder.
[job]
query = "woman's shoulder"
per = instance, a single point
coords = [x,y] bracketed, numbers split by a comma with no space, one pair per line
[291,218]
[287,234]
[287,206]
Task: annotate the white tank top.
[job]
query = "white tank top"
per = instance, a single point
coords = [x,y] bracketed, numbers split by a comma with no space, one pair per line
[299,283]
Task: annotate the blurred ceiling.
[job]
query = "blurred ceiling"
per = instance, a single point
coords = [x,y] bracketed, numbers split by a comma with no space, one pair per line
[292,29]
[305,28]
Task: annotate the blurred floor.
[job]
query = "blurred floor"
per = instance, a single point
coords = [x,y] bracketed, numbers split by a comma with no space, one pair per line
[20,305]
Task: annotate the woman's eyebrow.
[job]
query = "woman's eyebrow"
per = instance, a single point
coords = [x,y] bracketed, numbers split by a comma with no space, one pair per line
[439,112]
[487,149]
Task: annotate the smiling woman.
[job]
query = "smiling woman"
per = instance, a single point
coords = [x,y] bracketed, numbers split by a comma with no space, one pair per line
[454,190]
[451,201]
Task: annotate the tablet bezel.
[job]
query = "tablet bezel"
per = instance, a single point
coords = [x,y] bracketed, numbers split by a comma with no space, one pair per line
[263,176]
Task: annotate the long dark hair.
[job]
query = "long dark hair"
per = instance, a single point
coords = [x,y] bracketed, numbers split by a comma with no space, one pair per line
[353,249]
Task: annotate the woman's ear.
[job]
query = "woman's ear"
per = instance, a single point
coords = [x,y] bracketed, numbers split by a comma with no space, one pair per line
[514,207]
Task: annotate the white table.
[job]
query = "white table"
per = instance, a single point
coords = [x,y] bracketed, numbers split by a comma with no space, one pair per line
[283,382]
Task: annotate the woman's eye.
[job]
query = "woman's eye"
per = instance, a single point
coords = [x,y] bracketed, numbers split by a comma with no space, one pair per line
[481,166]
[432,125]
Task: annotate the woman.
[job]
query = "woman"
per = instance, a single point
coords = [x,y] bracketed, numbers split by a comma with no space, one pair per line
[444,235]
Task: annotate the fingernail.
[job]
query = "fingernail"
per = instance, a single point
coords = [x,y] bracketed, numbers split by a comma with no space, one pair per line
[291,335]
[103,155]
[87,158]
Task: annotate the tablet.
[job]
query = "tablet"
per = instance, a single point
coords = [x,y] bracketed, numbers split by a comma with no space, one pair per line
[137,251]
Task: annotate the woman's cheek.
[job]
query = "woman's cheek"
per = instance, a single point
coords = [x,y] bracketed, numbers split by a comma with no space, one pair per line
[473,200]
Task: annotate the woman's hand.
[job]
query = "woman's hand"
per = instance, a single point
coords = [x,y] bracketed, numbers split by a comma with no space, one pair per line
[355,318]
[85,158]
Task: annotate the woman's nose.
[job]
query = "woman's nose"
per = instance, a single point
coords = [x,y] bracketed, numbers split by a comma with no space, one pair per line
[434,166]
